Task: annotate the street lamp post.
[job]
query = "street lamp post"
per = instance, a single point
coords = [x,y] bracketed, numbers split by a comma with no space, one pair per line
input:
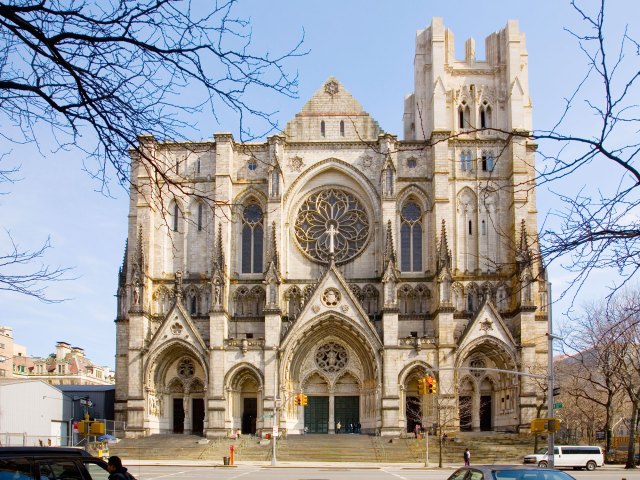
[274,461]
[550,385]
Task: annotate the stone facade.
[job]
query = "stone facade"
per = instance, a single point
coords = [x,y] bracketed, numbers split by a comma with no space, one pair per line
[337,261]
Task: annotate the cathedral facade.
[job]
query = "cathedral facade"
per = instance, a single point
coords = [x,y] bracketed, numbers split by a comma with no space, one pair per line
[337,261]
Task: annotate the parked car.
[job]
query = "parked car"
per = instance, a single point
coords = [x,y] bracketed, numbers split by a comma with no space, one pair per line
[568,456]
[53,463]
[508,472]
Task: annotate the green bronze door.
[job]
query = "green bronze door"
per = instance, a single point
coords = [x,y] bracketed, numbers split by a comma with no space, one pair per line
[316,415]
[347,412]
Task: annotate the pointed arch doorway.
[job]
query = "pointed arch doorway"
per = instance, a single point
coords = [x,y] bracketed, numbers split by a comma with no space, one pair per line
[334,363]
[175,393]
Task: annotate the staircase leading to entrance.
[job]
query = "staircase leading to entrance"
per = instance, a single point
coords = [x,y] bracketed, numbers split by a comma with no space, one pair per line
[486,447]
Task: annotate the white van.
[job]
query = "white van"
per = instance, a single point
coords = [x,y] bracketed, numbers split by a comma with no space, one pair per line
[573,456]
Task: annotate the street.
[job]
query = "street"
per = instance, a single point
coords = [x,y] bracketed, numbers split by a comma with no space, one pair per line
[251,472]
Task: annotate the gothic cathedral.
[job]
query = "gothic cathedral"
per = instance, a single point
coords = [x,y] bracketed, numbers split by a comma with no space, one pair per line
[339,262]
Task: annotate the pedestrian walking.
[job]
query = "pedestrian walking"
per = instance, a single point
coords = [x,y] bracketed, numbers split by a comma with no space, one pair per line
[467,458]
[117,471]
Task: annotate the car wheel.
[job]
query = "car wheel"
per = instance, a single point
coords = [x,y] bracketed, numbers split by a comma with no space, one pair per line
[543,464]
[591,466]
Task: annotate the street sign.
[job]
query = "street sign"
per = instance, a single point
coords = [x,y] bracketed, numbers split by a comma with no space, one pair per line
[557,405]
[556,391]
[86,401]
[600,435]
[275,430]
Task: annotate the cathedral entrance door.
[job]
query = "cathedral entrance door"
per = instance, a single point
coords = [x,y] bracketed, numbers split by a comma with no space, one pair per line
[413,409]
[197,416]
[178,416]
[249,414]
[485,412]
[347,412]
[465,413]
[316,415]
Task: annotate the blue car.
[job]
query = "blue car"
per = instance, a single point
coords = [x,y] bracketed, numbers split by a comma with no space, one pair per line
[508,472]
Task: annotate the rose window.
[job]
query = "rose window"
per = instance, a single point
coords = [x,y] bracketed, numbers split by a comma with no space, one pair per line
[332,215]
[331,357]
[186,369]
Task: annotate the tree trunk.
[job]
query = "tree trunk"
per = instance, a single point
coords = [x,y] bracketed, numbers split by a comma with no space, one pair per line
[631,448]
[607,426]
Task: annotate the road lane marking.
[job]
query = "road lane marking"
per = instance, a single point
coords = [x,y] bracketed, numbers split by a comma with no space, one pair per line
[394,474]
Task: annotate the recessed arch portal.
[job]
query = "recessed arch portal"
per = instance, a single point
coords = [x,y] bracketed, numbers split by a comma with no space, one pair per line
[487,391]
[336,363]
[244,385]
[176,376]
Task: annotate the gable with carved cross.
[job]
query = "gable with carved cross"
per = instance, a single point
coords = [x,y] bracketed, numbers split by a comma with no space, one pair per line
[177,325]
[333,294]
[486,323]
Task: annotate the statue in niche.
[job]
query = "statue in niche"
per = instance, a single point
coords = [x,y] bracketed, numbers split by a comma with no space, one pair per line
[390,293]
[217,292]
[136,294]
[272,294]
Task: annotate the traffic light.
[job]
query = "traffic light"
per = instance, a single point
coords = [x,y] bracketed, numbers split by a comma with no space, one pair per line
[432,385]
[422,386]
[303,400]
[553,424]
[296,400]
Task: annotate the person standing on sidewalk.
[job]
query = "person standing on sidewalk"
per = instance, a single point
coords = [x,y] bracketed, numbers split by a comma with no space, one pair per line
[467,458]
[117,471]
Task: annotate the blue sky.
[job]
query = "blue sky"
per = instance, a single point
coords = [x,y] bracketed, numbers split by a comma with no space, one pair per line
[367,45]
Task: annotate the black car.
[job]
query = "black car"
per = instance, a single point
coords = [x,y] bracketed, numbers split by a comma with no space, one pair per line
[508,472]
[50,463]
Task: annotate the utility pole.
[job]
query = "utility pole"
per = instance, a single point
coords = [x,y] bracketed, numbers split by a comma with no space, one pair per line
[550,385]
[274,430]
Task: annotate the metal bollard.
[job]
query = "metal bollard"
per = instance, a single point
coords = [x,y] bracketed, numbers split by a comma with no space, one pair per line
[231,450]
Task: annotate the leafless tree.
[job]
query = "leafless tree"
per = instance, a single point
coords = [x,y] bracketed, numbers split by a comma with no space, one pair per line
[101,74]
[98,75]
[587,374]
[597,226]
[625,316]
[23,270]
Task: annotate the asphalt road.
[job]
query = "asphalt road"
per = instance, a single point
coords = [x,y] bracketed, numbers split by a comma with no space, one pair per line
[251,472]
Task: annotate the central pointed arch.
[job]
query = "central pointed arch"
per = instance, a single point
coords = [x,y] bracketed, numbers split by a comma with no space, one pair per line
[337,363]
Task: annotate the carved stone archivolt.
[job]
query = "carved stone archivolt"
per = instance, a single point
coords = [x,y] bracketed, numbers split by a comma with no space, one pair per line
[332,214]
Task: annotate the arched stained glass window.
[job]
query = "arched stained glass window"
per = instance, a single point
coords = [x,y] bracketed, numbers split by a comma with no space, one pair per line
[411,238]
[252,238]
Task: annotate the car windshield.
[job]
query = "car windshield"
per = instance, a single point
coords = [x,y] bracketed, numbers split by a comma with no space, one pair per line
[531,475]
[542,451]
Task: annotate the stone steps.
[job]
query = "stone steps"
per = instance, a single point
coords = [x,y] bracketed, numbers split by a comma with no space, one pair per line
[485,448]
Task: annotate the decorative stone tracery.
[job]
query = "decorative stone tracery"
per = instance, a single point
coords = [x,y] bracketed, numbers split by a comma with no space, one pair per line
[331,357]
[332,208]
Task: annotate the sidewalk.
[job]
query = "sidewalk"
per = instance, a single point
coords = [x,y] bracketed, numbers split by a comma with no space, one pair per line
[337,465]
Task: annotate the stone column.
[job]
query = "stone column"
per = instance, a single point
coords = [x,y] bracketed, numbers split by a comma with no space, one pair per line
[475,411]
[332,421]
